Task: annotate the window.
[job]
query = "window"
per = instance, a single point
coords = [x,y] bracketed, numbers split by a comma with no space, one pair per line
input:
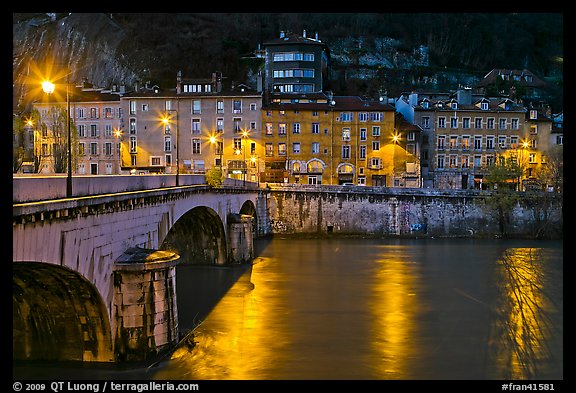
[441,122]
[465,161]
[108,113]
[363,132]
[81,130]
[196,146]
[453,161]
[315,128]
[237,144]
[237,124]
[346,151]
[453,141]
[502,141]
[426,122]
[466,122]
[296,128]
[252,125]
[363,116]
[94,131]
[108,130]
[362,152]
[441,142]
[533,129]
[133,145]
[375,145]
[196,107]
[167,143]
[108,148]
[484,106]
[93,113]
[282,129]
[219,125]
[282,149]
[253,107]
[440,162]
[346,116]
[269,149]
[315,147]
[477,161]
[346,134]
[296,147]
[376,116]
[490,123]
[514,124]
[94,148]
[81,149]
[375,163]
[375,130]
[478,142]
[296,167]
[196,126]
[478,123]
[268,128]
[502,124]
[453,122]
[236,106]
[490,142]
[155,161]
[465,142]
[533,114]
[220,106]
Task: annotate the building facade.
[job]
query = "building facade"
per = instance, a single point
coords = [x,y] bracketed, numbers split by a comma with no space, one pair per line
[196,126]
[95,121]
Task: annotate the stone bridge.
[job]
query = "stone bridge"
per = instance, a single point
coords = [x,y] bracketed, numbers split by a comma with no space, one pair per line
[94,275]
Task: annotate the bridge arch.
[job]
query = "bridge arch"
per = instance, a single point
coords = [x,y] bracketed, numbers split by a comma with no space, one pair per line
[57,315]
[198,236]
[249,209]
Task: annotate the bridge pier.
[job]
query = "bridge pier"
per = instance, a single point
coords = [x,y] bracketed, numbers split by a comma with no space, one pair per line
[240,238]
[146,316]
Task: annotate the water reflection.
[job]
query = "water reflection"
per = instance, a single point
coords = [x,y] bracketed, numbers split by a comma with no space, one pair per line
[522,334]
[394,307]
[245,321]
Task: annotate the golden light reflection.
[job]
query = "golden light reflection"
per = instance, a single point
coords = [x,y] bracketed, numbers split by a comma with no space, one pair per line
[520,335]
[240,336]
[394,309]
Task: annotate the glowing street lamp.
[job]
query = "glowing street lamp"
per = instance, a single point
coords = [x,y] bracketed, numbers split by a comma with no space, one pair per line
[49,87]
[166,121]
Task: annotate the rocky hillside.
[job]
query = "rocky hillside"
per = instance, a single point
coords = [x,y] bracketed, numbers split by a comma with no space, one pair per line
[369,52]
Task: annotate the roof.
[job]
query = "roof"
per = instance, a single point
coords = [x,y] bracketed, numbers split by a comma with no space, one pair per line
[524,77]
[321,101]
[293,38]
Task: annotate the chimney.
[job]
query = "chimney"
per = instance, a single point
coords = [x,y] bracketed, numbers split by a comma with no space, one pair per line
[316,36]
[464,96]
[179,82]
[217,81]
[304,33]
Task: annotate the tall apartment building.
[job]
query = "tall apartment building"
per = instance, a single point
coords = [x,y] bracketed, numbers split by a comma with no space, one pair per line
[95,116]
[463,134]
[198,125]
[313,137]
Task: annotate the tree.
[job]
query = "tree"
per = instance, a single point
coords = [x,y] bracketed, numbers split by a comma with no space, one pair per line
[502,199]
[214,177]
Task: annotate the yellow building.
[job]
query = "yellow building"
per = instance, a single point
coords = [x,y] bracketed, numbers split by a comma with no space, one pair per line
[323,139]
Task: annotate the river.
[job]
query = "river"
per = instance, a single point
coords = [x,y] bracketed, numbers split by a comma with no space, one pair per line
[366,309]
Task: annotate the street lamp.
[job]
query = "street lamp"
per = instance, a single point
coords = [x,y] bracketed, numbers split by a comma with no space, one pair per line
[49,88]
[118,134]
[166,121]
[245,135]
[218,149]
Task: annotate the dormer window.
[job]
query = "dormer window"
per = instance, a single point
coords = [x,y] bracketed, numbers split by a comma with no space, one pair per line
[454,105]
[425,104]
[484,106]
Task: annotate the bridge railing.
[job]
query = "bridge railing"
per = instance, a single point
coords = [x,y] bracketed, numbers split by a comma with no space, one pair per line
[31,188]
[35,188]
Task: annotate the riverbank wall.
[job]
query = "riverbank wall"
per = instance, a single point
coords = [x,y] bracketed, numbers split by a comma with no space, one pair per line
[395,212]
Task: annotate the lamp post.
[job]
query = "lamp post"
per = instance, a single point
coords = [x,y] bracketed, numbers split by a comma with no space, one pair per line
[245,169]
[49,88]
[166,121]
[118,134]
